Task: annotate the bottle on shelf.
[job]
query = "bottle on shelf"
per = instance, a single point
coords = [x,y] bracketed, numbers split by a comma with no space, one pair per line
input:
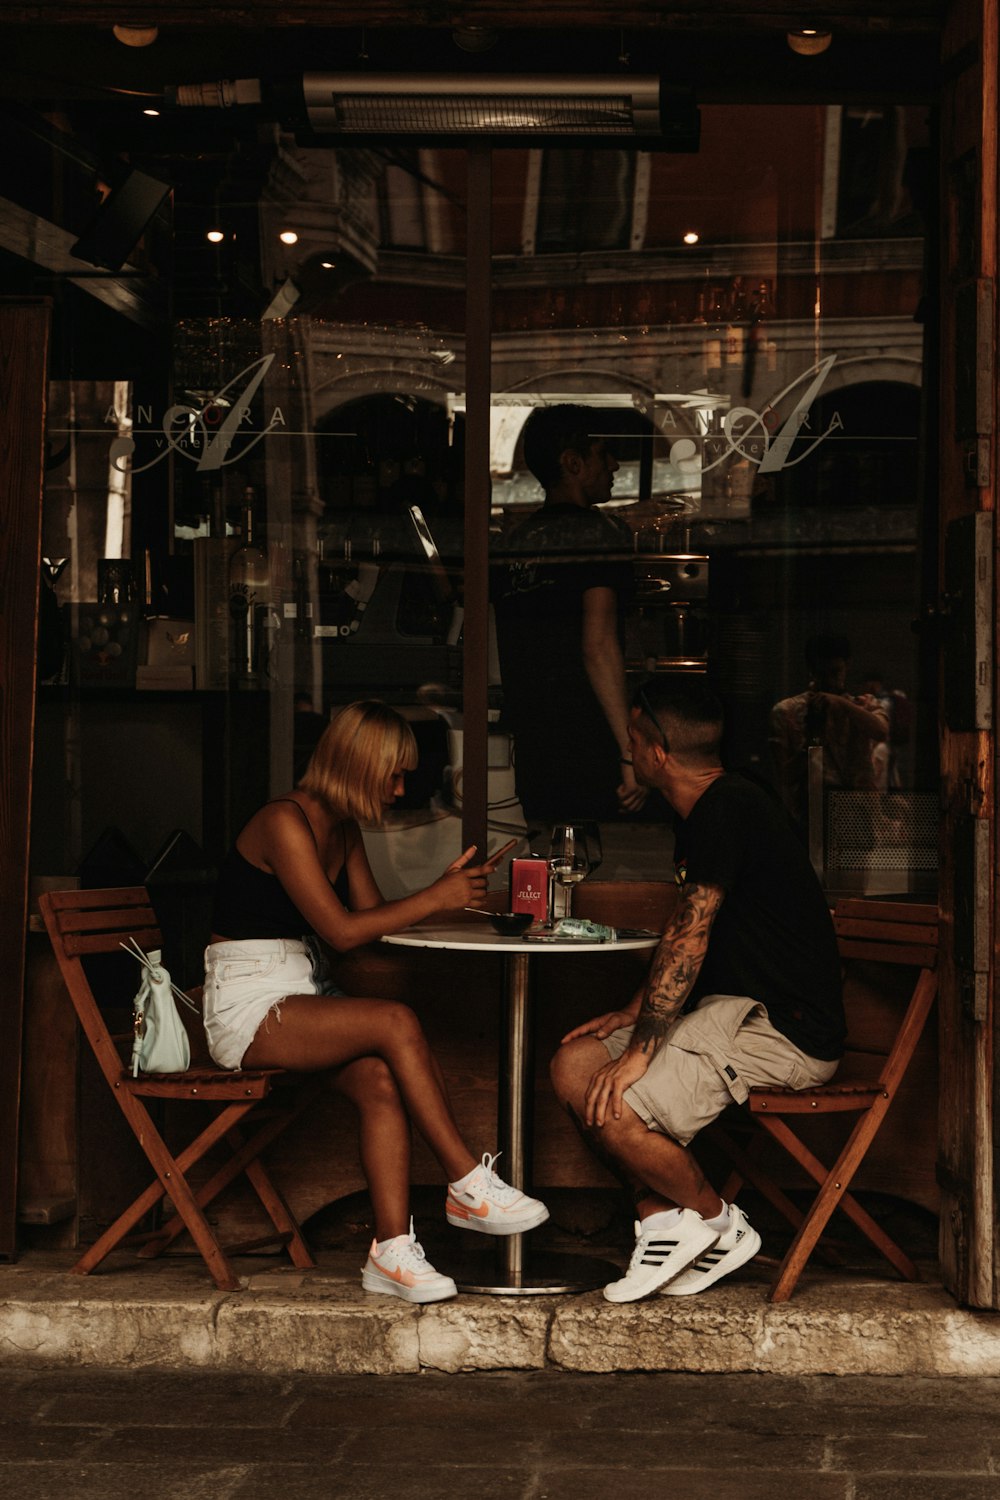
[711,344]
[737,317]
[250,614]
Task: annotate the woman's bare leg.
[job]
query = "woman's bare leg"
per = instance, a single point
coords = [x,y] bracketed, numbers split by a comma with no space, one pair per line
[306,1033]
[383,1138]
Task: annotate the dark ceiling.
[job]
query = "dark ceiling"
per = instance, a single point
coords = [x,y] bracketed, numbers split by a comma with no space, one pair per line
[725,51]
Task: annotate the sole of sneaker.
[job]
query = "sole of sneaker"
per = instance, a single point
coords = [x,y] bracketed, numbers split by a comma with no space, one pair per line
[694,1280]
[498,1227]
[383,1286]
[653,1280]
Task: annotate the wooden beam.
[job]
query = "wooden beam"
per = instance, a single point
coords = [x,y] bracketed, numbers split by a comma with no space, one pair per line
[706,15]
[24,339]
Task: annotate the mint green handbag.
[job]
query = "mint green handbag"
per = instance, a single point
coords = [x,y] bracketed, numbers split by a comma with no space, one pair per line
[161,1043]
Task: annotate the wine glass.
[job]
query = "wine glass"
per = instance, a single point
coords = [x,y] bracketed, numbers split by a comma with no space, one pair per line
[569,863]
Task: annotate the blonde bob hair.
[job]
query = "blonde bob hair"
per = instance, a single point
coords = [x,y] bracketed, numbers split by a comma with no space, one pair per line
[359,750]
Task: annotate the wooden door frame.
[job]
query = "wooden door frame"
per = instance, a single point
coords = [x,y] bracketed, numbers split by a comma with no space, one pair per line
[968,486]
[24,343]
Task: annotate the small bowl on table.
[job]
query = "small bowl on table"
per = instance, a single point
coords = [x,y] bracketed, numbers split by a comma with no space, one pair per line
[511,923]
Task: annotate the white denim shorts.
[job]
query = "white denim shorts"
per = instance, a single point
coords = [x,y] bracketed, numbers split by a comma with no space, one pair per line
[246,980]
[710,1058]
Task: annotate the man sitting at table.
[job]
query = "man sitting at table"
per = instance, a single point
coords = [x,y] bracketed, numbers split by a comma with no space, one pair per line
[744,991]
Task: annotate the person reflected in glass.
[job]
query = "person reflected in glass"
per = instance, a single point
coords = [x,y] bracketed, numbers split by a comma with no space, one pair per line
[296,884]
[560,584]
[848,727]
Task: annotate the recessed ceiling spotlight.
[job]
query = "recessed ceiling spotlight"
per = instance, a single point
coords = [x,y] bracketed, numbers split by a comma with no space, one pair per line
[216,236]
[328,265]
[153,113]
[131,35]
[809,41]
[288,237]
[692,237]
[475,38]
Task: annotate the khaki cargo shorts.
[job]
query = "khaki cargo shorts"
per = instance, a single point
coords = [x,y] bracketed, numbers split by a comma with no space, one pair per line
[711,1058]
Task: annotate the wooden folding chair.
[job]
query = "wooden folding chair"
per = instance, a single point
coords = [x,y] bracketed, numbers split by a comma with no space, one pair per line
[879,932]
[249,1110]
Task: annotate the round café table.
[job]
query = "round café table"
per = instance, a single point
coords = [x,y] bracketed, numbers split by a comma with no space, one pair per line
[518,1270]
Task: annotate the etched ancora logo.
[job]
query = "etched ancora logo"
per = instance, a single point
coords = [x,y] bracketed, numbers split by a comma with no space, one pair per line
[211,435]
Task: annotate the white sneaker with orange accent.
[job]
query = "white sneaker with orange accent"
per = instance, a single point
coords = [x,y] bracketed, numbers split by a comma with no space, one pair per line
[490,1206]
[401,1269]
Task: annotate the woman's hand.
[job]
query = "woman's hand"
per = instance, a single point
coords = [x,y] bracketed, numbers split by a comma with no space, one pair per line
[461,884]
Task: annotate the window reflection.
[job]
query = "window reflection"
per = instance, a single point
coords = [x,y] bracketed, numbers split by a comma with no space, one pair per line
[761,387]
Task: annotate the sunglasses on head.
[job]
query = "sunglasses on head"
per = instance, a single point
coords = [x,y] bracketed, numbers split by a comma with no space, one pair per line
[647,708]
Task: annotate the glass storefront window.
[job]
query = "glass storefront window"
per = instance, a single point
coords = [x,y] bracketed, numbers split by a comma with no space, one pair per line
[258,490]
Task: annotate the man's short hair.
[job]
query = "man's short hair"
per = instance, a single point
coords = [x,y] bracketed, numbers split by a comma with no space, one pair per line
[821,650]
[550,431]
[689,713]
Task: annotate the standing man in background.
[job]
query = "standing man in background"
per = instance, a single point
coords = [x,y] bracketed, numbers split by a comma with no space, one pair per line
[561,582]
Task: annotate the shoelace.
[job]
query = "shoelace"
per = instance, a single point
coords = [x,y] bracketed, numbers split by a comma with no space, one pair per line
[500,1191]
[412,1256]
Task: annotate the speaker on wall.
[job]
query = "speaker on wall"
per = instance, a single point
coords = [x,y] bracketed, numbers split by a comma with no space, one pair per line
[121,221]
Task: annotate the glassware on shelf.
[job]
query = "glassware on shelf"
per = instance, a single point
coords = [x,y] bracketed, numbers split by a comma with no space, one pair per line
[569,863]
[249,606]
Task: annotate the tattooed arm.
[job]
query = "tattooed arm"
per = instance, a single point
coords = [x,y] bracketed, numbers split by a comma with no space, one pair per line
[676,965]
[671,979]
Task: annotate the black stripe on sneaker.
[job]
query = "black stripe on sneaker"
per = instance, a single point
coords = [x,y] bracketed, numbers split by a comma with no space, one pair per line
[657,1251]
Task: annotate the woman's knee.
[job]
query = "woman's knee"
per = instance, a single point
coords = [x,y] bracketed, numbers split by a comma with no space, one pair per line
[401,1025]
[369,1083]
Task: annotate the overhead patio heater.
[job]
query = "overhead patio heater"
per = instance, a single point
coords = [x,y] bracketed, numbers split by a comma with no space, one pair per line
[501,106]
[504,109]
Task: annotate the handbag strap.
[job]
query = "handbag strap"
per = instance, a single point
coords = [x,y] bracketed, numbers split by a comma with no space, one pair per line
[132,947]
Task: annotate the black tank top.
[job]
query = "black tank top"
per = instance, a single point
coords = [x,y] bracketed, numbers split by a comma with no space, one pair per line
[253,903]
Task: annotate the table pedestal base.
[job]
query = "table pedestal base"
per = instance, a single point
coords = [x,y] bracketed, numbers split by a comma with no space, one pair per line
[542,1272]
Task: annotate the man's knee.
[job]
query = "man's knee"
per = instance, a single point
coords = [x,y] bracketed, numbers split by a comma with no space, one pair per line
[571,1069]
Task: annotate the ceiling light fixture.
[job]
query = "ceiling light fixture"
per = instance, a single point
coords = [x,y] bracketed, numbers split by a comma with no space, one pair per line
[215,236]
[475,38]
[288,237]
[132,35]
[692,237]
[809,41]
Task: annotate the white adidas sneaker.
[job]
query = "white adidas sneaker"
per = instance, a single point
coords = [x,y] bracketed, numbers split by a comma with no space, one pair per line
[731,1250]
[660,1255]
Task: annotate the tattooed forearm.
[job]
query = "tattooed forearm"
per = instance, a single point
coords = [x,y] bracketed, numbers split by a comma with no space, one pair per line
[676,965]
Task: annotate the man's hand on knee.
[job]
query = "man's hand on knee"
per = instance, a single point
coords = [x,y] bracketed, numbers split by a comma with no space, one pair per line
[601,1026]
[608,1085]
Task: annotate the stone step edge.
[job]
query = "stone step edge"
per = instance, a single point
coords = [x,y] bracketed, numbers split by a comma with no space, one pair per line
[872,1328]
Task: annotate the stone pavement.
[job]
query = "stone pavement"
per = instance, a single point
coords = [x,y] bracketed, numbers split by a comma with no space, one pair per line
[87,1435]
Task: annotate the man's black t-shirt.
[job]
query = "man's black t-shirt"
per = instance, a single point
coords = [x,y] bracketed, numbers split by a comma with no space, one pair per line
[566,758]
[772,937]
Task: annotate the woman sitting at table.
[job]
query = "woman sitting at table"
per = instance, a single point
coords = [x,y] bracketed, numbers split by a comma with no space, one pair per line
[298,878]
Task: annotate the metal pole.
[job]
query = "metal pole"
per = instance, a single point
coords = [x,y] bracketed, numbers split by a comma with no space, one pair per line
[514,1100]
[478,358]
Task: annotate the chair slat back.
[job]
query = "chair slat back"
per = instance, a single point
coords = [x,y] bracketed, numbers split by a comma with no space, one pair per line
[903,934]
[887,933]
[84,923]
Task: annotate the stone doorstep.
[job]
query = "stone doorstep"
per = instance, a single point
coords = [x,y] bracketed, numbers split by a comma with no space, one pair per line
[167,1317]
